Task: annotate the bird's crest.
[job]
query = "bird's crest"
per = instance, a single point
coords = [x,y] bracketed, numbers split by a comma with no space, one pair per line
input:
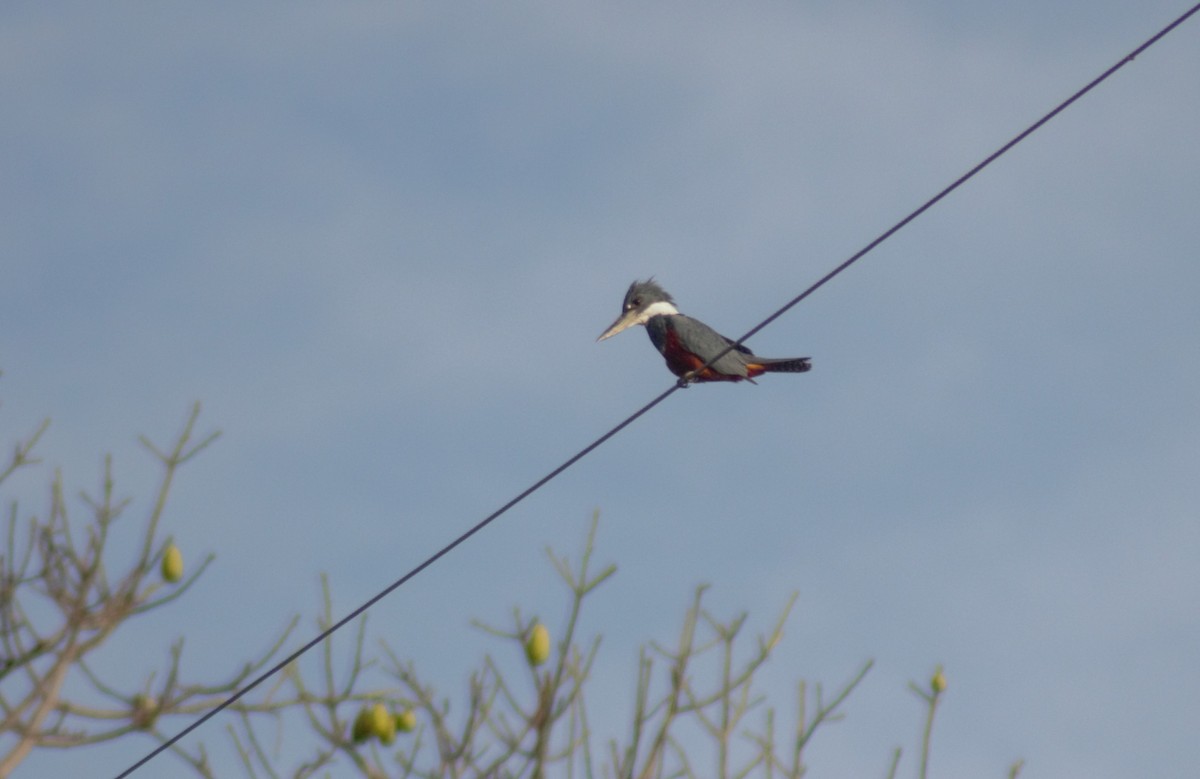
[643,291]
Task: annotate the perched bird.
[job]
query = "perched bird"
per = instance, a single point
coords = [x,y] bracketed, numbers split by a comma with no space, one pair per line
[687,344]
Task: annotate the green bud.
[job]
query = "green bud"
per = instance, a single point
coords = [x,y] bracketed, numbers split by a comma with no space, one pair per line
[363,726]
[938,682]
[537,645]
[172,564]
[406,721]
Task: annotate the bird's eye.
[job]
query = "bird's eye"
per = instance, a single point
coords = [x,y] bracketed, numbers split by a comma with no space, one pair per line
[635,302]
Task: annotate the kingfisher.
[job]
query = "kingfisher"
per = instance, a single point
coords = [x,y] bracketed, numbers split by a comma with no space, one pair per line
[687,344]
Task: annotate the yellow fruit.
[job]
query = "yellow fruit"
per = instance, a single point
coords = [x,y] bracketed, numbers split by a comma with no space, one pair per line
[406,720]
[145,711]
[537,645]
[383,724]
[172,564]
[363,727]
[938,682]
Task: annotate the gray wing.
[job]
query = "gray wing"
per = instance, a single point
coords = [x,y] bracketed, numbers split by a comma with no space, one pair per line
[704,342]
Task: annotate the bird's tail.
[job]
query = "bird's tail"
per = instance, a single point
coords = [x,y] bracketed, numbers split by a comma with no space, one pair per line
[784,365]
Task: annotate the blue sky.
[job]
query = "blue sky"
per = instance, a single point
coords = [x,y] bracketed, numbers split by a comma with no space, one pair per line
[378,242]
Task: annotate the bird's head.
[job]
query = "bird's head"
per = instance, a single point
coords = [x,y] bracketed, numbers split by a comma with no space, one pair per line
[643,300]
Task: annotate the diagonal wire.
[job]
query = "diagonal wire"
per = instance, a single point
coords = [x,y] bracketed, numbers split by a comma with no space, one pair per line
[956,184]
[665,394]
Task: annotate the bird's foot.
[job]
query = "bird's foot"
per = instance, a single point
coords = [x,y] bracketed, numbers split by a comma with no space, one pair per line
[686,380]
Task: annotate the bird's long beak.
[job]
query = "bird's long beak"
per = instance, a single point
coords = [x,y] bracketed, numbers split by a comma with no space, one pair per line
[625,320]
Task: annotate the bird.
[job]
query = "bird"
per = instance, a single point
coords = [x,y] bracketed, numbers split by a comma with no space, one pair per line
[687,344]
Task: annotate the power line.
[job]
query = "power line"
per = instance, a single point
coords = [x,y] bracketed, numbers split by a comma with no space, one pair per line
[962,179]
[678,385]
